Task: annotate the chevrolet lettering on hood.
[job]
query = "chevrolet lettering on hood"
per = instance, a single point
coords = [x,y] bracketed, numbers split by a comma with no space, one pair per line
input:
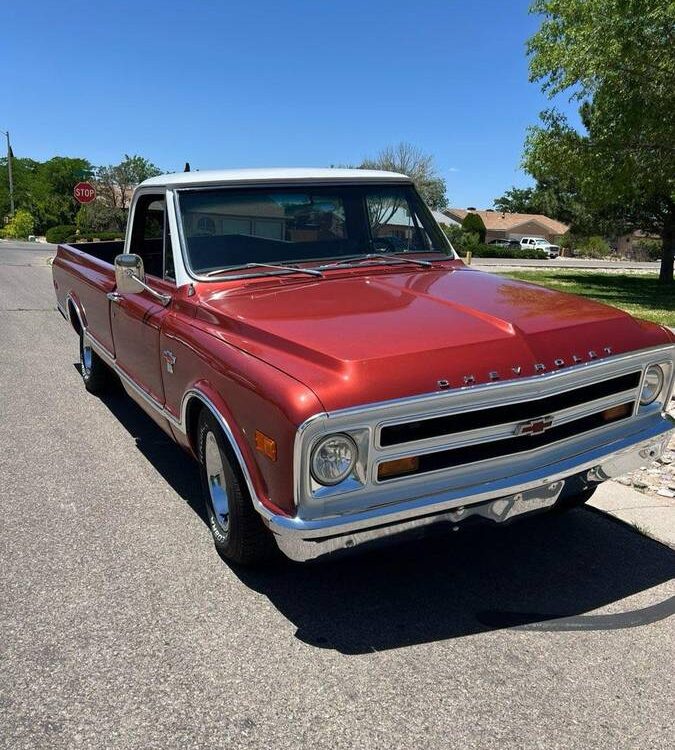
[315,344]
[517,369]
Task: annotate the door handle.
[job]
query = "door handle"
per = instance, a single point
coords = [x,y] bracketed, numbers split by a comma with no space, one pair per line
[114,297]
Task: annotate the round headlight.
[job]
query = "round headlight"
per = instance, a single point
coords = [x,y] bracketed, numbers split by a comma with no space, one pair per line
[333,459]
[653,385]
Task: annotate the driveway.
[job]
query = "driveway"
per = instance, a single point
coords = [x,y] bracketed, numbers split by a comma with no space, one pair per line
[120,627]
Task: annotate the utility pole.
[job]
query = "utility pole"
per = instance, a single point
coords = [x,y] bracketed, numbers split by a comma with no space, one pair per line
[9,170]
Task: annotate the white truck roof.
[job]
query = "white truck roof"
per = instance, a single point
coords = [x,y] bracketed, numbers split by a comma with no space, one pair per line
[269,176]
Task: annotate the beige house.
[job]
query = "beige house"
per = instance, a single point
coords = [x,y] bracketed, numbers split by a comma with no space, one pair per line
[503,226]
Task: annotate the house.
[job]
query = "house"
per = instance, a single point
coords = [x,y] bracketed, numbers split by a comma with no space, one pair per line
[503,226]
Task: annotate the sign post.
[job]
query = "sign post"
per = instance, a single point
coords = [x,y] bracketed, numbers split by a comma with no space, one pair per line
[84,192]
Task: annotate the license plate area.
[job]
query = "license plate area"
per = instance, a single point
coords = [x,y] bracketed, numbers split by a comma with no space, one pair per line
[527,501]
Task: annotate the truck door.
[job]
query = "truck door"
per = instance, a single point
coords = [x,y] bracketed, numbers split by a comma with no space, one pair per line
[136,318]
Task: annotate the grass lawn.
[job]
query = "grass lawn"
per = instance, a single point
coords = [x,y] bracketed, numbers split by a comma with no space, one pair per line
[639,294]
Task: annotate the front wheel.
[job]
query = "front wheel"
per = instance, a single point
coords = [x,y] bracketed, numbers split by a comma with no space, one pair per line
[95,373]
[238,531]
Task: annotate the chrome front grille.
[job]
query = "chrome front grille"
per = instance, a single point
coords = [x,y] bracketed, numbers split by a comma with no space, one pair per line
[423,429]
[521,440]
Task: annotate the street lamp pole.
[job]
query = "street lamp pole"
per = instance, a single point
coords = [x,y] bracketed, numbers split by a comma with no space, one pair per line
[9,170]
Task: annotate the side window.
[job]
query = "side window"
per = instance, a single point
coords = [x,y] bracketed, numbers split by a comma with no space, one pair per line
[147,235]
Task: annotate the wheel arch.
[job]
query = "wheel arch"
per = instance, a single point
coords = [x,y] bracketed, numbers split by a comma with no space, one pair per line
[75,316]
[194,400]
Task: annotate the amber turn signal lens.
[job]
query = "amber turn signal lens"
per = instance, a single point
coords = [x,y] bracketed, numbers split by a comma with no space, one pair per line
[265,445]
[616,412]
[398,467]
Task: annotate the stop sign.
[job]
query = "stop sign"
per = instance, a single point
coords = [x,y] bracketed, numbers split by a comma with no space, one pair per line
[84,192]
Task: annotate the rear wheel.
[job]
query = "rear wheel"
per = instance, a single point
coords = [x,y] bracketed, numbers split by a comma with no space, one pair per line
[95,373]
[238,531]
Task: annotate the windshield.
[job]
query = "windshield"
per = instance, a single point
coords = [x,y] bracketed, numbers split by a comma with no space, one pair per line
[233,227]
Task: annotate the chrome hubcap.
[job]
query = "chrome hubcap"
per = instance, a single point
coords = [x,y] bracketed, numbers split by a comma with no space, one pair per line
[85,358]
[216,478]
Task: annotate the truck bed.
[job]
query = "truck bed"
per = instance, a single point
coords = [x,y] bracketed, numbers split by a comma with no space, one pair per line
[105,251]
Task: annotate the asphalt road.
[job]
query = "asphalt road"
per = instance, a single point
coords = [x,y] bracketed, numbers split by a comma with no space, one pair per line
[120,627]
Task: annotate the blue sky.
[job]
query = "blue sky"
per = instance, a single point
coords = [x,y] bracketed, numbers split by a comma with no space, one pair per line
[258,83]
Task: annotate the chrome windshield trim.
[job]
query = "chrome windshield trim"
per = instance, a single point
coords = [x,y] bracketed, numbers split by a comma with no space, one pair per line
[289,183]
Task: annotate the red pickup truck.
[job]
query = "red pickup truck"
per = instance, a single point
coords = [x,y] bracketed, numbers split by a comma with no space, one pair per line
[342,378]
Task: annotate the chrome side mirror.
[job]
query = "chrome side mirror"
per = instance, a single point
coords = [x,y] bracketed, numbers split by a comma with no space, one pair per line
[130,278]
[129,272]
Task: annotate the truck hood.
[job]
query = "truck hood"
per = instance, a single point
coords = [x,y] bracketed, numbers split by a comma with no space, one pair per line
[369,337]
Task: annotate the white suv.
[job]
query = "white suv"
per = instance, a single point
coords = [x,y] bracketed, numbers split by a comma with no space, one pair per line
[539,243]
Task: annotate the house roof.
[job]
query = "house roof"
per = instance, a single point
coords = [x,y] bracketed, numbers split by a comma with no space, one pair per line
[500,221]
[271,176]
[442,218]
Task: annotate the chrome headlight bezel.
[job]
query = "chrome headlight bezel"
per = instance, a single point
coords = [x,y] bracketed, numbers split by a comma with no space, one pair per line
[654,387]
[348,444]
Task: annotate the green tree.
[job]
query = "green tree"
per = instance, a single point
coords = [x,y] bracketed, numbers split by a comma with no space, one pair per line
[615,57]
[45,189]
[517,201]
[20,226]
[412,161]
[473,223]
[116,182]
[553,198]
[99,216]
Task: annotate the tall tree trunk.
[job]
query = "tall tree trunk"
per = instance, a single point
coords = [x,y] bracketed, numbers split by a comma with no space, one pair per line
[668,253]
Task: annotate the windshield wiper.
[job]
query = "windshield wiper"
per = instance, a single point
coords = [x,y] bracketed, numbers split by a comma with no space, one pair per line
[360,260]
[272,266]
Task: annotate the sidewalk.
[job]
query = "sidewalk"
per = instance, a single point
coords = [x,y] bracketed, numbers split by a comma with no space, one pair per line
[652,515]
[644,498]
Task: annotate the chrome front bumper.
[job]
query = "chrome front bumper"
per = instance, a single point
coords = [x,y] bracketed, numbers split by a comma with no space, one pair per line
[499,500]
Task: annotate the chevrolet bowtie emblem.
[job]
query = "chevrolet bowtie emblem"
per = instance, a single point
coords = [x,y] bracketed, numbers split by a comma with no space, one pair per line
[534,426]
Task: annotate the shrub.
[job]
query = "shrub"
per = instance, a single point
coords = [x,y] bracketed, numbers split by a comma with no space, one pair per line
[19,226]
[593,247]
[473,223]
[494,251]
[460,239]
[61,233]
[646,249]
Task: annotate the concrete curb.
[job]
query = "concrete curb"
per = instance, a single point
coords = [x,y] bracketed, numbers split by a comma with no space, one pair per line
[650,514]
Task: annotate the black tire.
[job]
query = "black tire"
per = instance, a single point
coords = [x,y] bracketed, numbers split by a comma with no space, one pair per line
[95,373]
[575,501]
[239,534]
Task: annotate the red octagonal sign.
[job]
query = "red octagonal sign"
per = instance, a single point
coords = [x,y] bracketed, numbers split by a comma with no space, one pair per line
[84,192]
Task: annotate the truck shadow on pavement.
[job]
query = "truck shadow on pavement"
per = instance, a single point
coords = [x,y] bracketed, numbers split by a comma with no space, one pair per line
[543,573]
